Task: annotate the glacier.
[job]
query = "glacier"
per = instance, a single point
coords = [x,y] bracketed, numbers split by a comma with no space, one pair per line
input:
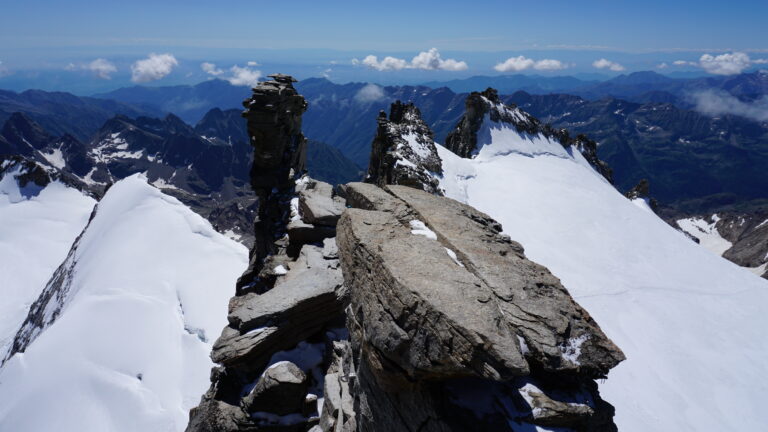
[690,323]
[130,348]
[42,223]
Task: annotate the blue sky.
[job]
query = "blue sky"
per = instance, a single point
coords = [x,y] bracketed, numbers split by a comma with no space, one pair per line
[311,37]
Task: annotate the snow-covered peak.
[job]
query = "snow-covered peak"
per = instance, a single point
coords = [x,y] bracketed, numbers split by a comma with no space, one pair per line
[486,115]
[126,334]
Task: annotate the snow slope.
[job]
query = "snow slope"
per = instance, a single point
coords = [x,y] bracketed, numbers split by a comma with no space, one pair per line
[129,352]
[691,324]
[37,228]
[706,232]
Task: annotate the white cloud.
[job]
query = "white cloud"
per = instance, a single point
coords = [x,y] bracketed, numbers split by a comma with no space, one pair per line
[662,66]
[521,63]
[388,63]
[515,64]
[154,67]
[238,76]
[725,64]
[253,64]
[425,60]
[431,60]
[369,93]
[607,64]
[327,73]
[549,64]
[718,102]
[243,76]
[102,68]
[211,69]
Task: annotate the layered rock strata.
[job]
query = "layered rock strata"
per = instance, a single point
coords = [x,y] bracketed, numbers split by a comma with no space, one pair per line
[441,302]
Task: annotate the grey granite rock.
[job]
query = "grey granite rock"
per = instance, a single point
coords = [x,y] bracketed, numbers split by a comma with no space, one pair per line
[415,299]
[438,296]
[281,390]
[318,205]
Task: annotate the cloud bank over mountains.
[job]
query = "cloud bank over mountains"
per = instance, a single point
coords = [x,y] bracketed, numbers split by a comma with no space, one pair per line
[732,63]
[719,102]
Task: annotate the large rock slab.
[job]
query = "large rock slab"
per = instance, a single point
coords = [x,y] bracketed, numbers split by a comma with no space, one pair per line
[318,204]
[418,307]
[558,334]
[307,297]
[467,302]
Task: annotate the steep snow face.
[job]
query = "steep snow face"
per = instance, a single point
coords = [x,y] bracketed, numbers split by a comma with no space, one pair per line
[37,228]
[129,351]
[706,232]
[690,323]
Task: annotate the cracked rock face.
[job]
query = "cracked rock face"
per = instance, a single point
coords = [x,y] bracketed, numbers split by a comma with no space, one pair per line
[403,151]
[437,293]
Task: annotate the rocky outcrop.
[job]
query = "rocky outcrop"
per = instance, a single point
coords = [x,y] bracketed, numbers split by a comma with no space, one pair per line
[399,309]
[274,126]
[403,151]
[289,304]
[487,106]
[748,234]
[642,191]
[439,295]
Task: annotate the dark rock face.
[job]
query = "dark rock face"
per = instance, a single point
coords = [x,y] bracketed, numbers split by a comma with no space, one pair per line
[749,234]
[643,191]
[403,151]
[746,231]
[22,136]
[438,295]
[486,105]
[274,127]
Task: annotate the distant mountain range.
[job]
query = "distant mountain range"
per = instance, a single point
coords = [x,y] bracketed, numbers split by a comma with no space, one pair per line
[647,86]
[206,166]
[644,123]
[64,113]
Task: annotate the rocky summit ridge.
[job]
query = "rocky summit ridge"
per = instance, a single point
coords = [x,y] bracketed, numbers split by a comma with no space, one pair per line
[383,306]
[485,109]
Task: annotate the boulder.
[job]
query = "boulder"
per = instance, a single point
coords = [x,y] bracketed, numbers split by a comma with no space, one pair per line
[318,204]
[280,390]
